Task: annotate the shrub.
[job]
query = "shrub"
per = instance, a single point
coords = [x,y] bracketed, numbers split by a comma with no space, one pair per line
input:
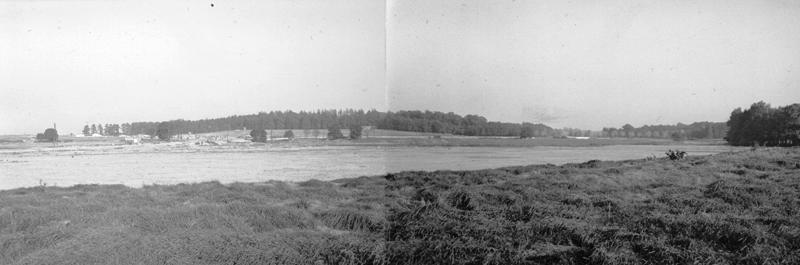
[258,135]
[335,132]
[355,132]
[288,134]
[676,155]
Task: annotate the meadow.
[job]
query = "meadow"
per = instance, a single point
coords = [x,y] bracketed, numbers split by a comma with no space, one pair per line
[310,222]
[730,208]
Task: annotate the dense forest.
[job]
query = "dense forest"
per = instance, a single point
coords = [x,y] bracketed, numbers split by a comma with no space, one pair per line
[450,123]
[763,125]
[760,123]
[419,121]
[263,120]
[680,131]
[272,120]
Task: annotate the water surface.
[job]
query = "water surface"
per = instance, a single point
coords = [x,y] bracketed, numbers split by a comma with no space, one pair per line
[144,167]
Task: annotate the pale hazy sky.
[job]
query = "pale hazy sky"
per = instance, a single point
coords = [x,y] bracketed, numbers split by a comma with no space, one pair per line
[591,64]
[115,61]
[586,64]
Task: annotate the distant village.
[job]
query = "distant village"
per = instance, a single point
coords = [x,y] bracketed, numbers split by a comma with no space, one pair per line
[241,136]
[355,124]
[229,137]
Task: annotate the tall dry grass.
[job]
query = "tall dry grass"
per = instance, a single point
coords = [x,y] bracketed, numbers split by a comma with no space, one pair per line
[733,208]
[206,223]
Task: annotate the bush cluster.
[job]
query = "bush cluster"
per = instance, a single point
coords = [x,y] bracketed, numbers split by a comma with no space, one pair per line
[764,125]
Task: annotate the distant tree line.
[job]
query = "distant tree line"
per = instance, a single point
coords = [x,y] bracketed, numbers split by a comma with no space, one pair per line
[418,121]
[760,124]
[273,120]
[108,130]
[680,131]
[764,125]
[575,132]
[451,123]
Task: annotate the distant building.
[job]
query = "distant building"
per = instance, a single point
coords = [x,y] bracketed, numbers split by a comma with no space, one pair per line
[142,136]
[238,140]
[184,137]
[132,140]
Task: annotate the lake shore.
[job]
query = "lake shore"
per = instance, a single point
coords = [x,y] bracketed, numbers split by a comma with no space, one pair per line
[185,162]
[20,144]
[725,208]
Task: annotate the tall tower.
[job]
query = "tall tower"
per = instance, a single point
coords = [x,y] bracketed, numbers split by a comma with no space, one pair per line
[55,141]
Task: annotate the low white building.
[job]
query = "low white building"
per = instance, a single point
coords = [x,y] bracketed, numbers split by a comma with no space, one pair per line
[132,140]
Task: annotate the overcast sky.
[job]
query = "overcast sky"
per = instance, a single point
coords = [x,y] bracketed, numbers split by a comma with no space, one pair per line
[591,64]
[74,62]
[586,64]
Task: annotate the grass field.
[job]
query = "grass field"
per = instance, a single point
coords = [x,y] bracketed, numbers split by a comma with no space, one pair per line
[735,208]
[730,208]
[208,223]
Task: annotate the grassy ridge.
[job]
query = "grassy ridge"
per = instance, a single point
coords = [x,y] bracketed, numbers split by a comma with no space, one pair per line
[207,223]
[739,208]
